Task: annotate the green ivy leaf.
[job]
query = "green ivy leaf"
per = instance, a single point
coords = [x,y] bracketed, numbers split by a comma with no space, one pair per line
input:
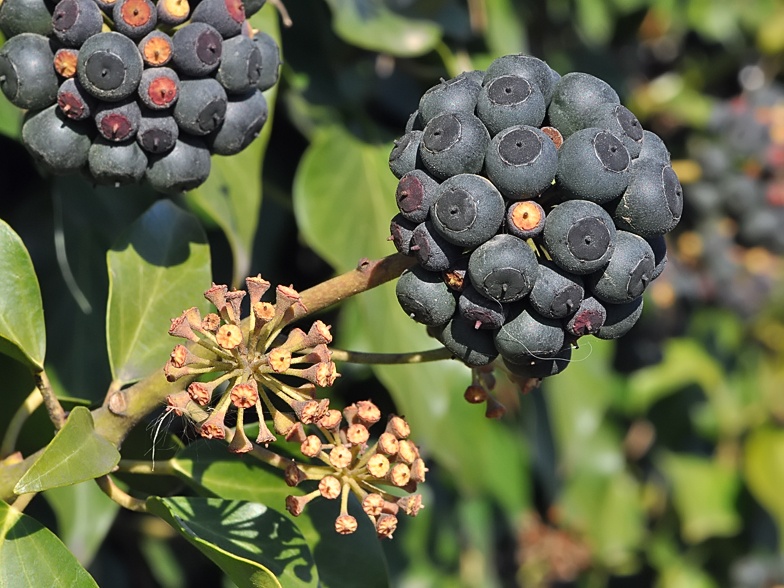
[231,196]
[255,546]
[764,471]
[594,21]
[22,332]
[340,173]
[10,119]
[704,494]
[158,268]
[343,561]
[77,453]
[369,24]
[84,516]
[32,556]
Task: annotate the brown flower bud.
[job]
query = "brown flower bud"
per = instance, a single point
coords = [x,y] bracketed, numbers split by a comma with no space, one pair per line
[229,336]
[320,354]
[257,287]
[399,474]
[193,316]
[307,389]
[217,296]
[245,395]
[475,394]
[411,504]
[407,451]
[350,414]
[178,402]
[211,322]
[330,487]
[388,444]
[418,470]
[296,434]
[282,422]
[494,410]
[213,427]
[279,359]
[311,446]
[293,475]
[398,427]
[390,508]
[319,333]
[181,328]
[331,420]
[234,298]
[296,504]
[173,373]
[322,374]
[201,392]
[357,434]
[340,457]
[386,525]
[373,505]
[345,524]
[182,356]
[368,413]
[240,443]
[265,436]
[308,411]
[378,465]
[264,312]
[294,341]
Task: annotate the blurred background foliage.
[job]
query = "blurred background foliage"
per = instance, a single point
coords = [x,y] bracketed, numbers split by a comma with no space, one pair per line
[654,461]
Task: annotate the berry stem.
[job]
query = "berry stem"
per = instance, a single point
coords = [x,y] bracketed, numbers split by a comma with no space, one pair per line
[390,358]
[125,500]
[31,403]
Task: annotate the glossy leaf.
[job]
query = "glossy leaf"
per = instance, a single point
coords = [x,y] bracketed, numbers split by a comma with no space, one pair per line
[10,119]
[77,453]
[158,268]
[704,494]
[231,196]
[22,332]
[254,545]
[31,555]
[343,561]
[369,24]
[84,516]
[340,173]
[764,471]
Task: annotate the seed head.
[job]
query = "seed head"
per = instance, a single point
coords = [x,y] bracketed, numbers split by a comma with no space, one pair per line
[475,394]
[307,411]
[368,413]
[181,328]
[340,457]
[240,443]
[211,322]
[319,333]
[296,434]
[345,524]
[311,446]
[399,475]
[293,475]
[229,336]
[178,402]
[329,487]
[386,525]
[388,444]
[245,395]
[201,393]
[418,470]
[357,434]
[398,427]
[279,359]
[217,296]
[378,466]
[407,451]
[213,427]
[257,287]
[331,420]
[411,504]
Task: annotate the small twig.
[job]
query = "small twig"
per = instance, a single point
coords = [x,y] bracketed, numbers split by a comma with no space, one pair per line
[24,499]
[124,499]
[140,466]
[390,358]
[53,406]
[33,401]
[284,14]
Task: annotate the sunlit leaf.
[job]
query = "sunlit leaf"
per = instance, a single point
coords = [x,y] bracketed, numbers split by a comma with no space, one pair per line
[764,471]
[22,332]
[77,453]
[158,268]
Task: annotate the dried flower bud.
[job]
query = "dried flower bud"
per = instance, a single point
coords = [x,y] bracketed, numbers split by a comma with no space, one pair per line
[279,359]
[263,312]
[217,296]
[178,402]
[386,525]
[388,444]
[340,457]
[234,298]
[350,414]
[399,475]
[193,316]
[229,336]
[378,465]
[257,287]
[320,354]
[418,470]
[201,392]
[398,427]
[475,394]
[357,434]
[293,475]
[295,340]
[331,420]
[182,356]
[307,389]
[322,375]
[407,451]
[296,504]
[345,524]
[329,487]
[265,436]
[211,322]
[311,446]
[245,395]
[296,434]
[181,328]
[213,427]
[308,411]
[173,373]
[411,504]
[240,443]
[390,508]
[495,410]
[373,505]
[282,422]
[368,413]
[319,333]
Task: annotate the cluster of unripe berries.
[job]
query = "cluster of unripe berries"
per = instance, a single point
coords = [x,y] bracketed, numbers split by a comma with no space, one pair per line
[126,90]
[245,361]
[535,206]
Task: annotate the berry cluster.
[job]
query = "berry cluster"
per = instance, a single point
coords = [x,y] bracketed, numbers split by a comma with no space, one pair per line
[123,90]
[535,206]
[246,360]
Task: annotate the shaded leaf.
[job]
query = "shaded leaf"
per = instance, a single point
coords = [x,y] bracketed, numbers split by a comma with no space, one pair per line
[158,268]
[369,24]
[764,471]
[32,556]
[231,196]
[77,453]
[10,119]
[340,173]
[22,332]
[84,516]
[594,21]
[704,494]
[343,561]
[254,545]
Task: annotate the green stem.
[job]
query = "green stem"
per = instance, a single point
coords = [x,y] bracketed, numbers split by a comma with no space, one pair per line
[122,498]
[32,402]
[448,58]
[391,358]
[140,466]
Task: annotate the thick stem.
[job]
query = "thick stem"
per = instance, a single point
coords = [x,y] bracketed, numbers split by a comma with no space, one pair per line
[53,407]
[125,500]
[140,466]
[33,401]
[24,499]
[390,358]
